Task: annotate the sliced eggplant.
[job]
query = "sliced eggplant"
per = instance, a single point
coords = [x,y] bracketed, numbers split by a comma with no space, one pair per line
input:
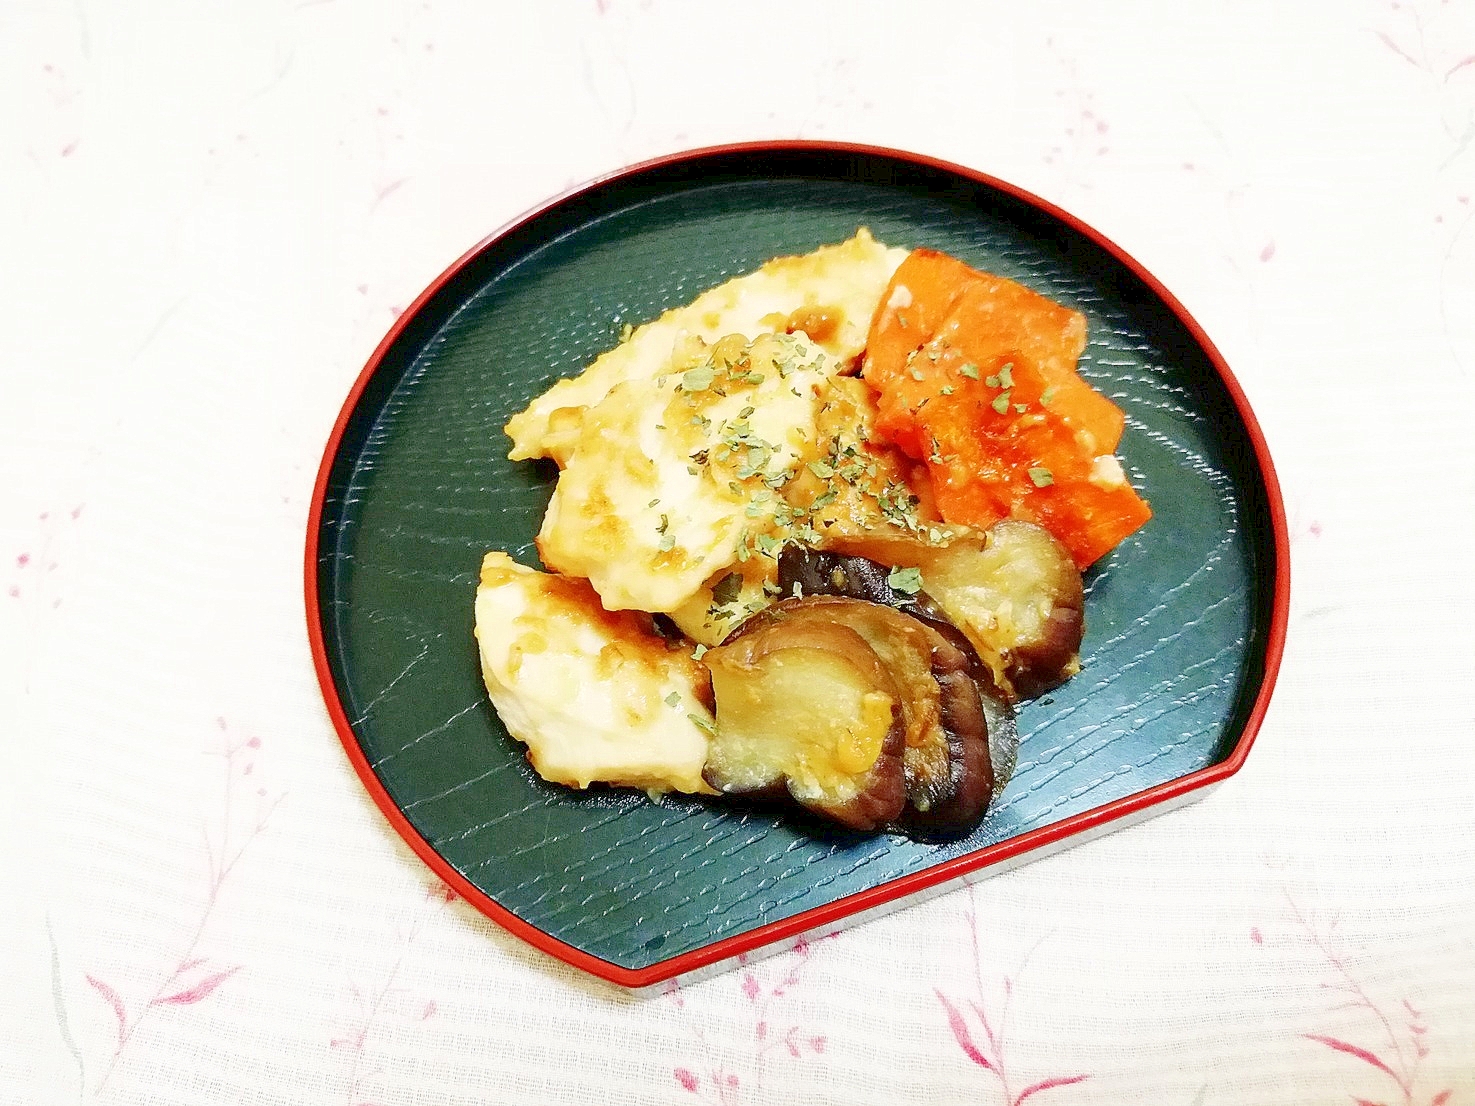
[805,707]
[977,720]
[947,772]
[1016,593]
[1013,592]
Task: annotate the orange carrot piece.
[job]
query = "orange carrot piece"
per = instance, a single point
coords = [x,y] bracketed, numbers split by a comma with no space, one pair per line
[922,292]
[976,376]
[1001,319]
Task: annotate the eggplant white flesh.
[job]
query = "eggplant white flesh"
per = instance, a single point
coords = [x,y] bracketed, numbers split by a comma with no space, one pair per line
[805,706]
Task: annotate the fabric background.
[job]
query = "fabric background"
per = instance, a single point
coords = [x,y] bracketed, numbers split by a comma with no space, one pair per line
[212,212]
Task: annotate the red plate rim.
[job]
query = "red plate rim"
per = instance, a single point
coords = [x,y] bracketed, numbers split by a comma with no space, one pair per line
[897,889]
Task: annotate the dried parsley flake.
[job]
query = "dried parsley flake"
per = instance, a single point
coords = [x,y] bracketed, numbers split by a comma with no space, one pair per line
[908,581]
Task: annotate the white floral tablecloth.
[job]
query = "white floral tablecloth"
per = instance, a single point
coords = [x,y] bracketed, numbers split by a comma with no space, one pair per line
[212,212]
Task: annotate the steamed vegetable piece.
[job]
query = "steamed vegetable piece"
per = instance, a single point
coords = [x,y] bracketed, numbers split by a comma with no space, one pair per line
[977,377]
[949,777]
[805,705]
[1017,595]
[944,797]
[1013,592]
[763,737]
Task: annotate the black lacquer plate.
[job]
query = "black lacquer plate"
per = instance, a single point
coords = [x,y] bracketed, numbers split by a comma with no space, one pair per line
[1185,621]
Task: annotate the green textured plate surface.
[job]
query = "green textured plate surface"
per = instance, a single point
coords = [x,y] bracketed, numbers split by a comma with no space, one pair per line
[1184,621]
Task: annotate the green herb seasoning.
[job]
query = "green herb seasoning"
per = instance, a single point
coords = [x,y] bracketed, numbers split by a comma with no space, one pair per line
[698,379]
[727,589]
[908,581]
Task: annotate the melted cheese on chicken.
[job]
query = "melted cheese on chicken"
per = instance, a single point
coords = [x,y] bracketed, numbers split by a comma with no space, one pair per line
[676,477]
[830,294]
[595,695]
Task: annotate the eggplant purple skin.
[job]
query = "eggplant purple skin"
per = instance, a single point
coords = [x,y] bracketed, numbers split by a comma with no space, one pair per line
[971,702]
[818,573]
[1043,667]
[956,804]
